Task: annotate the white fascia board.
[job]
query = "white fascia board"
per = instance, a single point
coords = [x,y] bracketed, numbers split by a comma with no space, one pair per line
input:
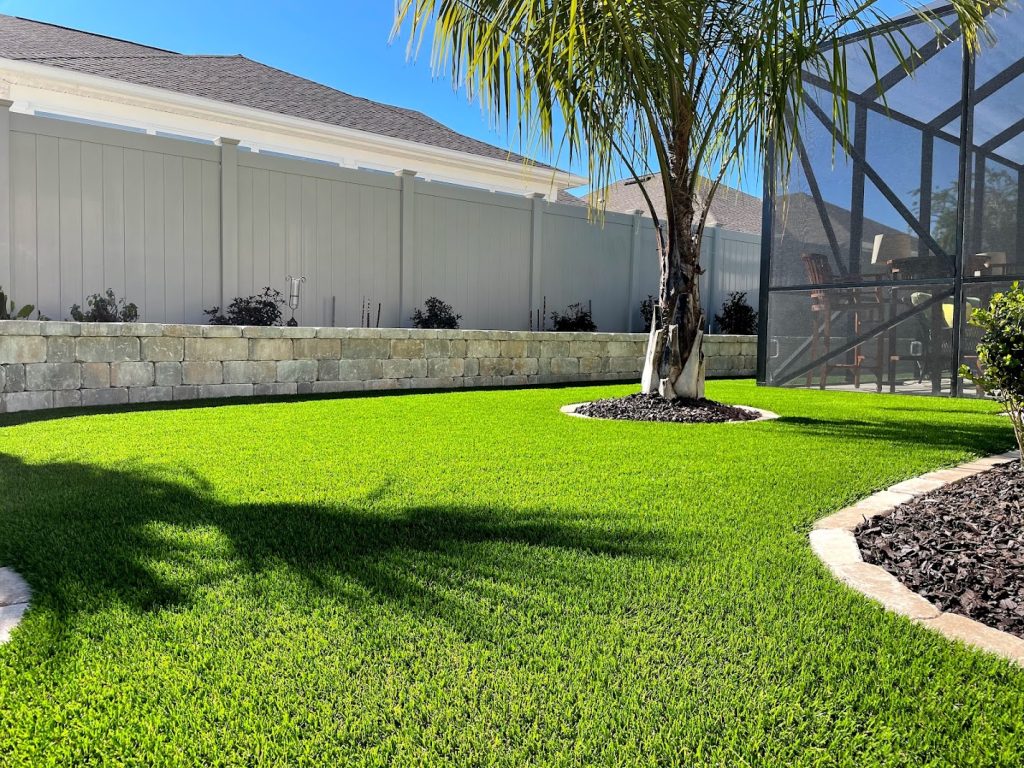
[405,152]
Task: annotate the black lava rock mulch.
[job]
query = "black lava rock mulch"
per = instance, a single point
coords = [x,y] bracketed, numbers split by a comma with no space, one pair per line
[642,407]
[961,547]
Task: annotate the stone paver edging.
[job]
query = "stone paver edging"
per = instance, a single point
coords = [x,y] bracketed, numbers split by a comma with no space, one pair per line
[834,543]
[14,597]
[573,408]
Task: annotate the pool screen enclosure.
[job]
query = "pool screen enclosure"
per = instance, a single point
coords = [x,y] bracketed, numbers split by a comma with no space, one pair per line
[873,258]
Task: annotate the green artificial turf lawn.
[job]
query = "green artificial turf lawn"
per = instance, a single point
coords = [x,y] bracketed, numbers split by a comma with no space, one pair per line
[473,578]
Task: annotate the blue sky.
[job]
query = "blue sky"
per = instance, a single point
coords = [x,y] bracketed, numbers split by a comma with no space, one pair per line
[342,43]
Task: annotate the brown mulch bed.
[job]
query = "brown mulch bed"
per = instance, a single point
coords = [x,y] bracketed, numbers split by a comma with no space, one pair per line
[642,407]
[961,547]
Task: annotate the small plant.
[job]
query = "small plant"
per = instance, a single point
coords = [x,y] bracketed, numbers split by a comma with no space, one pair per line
[647,307]
[7,309]
[575,318]
[1001,354]
[435,314]
[737,316]
[261,309]
[105,308]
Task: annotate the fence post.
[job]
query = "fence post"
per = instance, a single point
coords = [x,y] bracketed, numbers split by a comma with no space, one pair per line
[714,248]
[6,272]
[406,237]
[536,250]
[634,278]
[228,220]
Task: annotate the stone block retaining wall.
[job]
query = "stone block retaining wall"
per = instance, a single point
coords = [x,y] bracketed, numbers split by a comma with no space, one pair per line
[62,364]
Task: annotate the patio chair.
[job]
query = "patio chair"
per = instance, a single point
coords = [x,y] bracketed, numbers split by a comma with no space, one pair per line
[863,305]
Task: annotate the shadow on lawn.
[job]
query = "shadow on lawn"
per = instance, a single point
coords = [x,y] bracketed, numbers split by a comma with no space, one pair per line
[86,538]
[986,435]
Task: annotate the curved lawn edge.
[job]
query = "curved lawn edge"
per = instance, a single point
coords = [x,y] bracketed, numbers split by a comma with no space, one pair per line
[833,541]
[572,409]
[14,597]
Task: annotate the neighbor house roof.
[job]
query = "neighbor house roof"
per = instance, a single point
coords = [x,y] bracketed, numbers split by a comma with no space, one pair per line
[730,208]
[232,79]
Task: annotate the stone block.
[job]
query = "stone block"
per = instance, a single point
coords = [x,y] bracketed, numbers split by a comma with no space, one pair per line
[429,382]
[142,329]
[216,349]
[513,348]
[163,349]
[21,327]
[150,394]
[106,349]
[67,398]
[304,387]
[551,349]
[212,391]
[132,375]
[514,381]
[835,546]
[22,349]
[333,333]
[297,370]
[3,378]
[250,371]
[179,330]
[458,347]
[60,349]
[625,349]
[261,332]
[593,364]
[588,349]
[109,396]
[334,387]
[317,349]
[381,384]
[483,348]
[202,373]
[438,348]
[352,349]
[525,366]
[302,332]
[42,376]
[28,401]
[408,349]
[471,367]
[14,378]
[270,349]
[440,367]
[405,369]
[274,389]
[495,366]
[221,331]
[565,365]
[101,329]
[167,374]
[185,392]
[349,370]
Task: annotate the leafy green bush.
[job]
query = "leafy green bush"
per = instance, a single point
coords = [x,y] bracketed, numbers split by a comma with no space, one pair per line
[576,318]
[105,308]
[737,316]
[7,309]
[1001,354]
[435,314]
[261,309]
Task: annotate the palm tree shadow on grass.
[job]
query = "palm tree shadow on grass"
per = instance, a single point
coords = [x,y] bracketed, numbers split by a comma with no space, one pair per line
[986,435]
[87,537]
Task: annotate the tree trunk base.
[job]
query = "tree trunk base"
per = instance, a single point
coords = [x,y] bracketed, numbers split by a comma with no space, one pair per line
[684,377]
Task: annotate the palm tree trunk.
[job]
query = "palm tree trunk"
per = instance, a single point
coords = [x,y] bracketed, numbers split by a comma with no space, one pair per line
[674,365]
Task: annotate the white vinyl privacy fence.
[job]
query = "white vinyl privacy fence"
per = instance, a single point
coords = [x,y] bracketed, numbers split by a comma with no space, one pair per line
[178,226]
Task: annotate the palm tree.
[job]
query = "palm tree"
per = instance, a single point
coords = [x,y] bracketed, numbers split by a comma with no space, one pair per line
[693,88]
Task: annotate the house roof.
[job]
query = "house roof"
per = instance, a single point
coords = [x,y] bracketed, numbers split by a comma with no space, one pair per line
[232,79]
[730,208]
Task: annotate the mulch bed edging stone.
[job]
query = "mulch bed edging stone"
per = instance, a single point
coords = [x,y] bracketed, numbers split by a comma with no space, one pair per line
[14,597]
[652,408]
[834,542]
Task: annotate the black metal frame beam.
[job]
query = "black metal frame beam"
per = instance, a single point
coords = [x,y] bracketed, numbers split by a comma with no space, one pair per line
[981,93]
[964,184]
[1003,136]
[819,204]
[926,52]
[767,239]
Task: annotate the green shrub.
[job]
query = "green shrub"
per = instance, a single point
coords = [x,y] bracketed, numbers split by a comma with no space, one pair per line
[105,308]
[262,309]
[435,314]
[575,318]
[1001,354]
[737,316]
[7,308]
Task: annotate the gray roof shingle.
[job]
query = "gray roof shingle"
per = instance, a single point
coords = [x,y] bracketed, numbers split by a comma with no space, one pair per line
[232,79]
